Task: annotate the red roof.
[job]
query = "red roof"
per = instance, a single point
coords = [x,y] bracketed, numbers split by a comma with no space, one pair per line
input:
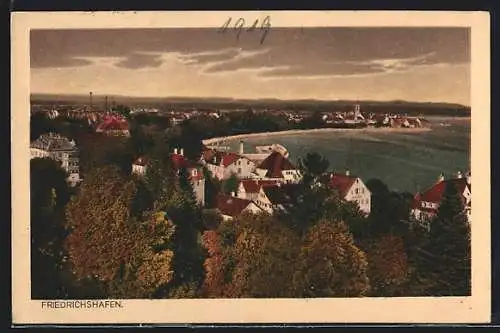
[113,123]
[435,193]
[254,185]
[217,157]
[180,161]
[232,206]
[229,159]
[275,164]
[341,183]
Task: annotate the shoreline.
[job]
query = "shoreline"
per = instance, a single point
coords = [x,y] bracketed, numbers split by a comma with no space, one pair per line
[212,141]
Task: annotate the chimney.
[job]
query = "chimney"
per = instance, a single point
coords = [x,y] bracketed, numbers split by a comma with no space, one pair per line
[347,173]
[175,151]
[459,174]
[441,177]
[241,147]
[233,194]
[331,175]
[182,151]
[468,178]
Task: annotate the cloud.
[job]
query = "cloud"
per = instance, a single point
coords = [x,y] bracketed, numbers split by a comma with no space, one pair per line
[101,61]
[139,60]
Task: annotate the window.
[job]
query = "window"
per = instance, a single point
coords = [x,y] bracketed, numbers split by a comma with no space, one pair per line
[239,170]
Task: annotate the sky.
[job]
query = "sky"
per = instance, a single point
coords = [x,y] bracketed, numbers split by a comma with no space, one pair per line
[413,64]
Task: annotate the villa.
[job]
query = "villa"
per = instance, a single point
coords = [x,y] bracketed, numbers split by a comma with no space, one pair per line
[426,204]
[60,149]
[352,189]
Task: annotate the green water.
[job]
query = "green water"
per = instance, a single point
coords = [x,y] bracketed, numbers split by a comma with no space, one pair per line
[405,161]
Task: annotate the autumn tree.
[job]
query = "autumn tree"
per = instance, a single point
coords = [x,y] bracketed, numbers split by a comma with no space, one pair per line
[128,257]
[172,192]
[387,265]
[330,264]
[449,246]
[251,257]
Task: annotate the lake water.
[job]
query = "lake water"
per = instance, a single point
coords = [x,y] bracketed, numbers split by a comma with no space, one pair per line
[405,161]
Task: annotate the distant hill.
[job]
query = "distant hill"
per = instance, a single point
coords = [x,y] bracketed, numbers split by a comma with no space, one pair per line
[396,106]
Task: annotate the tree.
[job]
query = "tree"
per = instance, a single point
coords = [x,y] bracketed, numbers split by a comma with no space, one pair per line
[314,120]
[387,265]
[140,143]
[212,188]
[251,257]
[122,110]
[49,193]
[230,185]
[40,124]
[173,194]
[388,209]
[330,264]
[449,246]
[314,165]
[129,258]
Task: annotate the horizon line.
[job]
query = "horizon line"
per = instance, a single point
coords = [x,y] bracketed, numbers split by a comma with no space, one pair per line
[236,99]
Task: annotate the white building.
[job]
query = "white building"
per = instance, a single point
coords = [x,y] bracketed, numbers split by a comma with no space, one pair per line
[278,167]
[426,204]
[352,189]
[222,165]
[230,206]
[60,149]
[250,188]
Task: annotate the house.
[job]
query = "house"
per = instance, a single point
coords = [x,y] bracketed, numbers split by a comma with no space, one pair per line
[230,206]
[276,198]
[113,125]
[278,167]
[414,122]
[426,204]
[250,188]
[382,120]
[352,189]
[400,122]
[179,161]
[222,165]
[61,149]
[139,166]
[177,120]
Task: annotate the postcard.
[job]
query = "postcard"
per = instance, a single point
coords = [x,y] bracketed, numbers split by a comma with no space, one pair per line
[250,167]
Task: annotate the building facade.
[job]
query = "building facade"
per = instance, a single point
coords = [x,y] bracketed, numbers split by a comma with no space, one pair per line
[426,204]
[60,149]
[352,189]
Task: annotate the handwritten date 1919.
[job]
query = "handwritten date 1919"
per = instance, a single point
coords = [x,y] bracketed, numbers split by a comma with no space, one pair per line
[239,26]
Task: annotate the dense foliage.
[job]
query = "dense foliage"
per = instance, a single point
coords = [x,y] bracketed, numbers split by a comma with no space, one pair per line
[122,236]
